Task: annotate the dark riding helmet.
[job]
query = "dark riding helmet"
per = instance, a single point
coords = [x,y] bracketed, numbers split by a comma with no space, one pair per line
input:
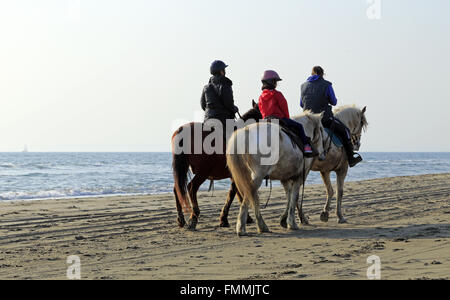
[217,66]
[270,76]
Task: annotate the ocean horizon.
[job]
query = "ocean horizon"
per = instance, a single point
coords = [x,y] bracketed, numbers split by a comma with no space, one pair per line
[61,175]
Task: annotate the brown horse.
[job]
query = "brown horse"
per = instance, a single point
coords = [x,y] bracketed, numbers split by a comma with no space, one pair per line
[204,167]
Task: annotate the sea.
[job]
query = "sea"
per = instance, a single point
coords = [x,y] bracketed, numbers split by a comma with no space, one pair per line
[32,176]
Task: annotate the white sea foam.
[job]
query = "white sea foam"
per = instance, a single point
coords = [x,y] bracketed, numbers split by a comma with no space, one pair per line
[7,165]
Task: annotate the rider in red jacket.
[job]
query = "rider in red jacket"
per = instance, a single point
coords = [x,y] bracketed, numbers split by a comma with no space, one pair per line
[273,104]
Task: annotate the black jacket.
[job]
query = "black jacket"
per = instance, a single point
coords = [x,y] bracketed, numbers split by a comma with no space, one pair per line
[217,99]
[314,97]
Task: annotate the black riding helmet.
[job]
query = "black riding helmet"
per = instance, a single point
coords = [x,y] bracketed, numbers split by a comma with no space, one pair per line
[217,66]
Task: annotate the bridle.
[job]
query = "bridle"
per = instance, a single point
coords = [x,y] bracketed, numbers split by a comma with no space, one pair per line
[317,137]
[356,139]
[356,136]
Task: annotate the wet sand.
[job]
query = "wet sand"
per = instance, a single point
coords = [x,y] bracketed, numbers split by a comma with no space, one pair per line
[405,221]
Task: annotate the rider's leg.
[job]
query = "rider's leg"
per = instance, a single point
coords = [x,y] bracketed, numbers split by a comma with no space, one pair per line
[299,130]
[343,133]
[308,148]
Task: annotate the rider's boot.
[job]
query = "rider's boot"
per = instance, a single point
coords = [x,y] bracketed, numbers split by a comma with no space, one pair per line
[309,150]
[353,157]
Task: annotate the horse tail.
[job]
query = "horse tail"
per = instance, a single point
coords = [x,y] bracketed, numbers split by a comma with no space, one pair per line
[180,169]
[239,169]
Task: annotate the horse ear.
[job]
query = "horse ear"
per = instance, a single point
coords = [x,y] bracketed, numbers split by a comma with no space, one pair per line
[364,109]
[254,104]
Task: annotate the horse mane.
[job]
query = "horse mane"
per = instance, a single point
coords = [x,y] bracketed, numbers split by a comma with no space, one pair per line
[307,113]
[349,114]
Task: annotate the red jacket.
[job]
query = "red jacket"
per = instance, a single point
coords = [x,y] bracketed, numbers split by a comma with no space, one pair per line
[273,104]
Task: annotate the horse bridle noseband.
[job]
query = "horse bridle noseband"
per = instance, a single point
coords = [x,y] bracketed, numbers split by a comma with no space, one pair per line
[356,139]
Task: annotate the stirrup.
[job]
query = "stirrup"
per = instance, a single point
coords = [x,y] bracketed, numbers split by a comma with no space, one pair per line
[355,160]
[309,155]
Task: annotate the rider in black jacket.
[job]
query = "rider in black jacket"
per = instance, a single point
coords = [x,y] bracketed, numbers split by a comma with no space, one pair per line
[217,97]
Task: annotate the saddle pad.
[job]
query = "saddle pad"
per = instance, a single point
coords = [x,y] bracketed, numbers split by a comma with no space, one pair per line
[295,139]
[336,140]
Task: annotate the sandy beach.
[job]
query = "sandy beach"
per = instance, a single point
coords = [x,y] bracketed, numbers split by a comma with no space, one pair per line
[404,220]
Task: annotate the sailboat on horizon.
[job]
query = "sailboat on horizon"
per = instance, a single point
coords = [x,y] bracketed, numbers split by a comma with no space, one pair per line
[25,149]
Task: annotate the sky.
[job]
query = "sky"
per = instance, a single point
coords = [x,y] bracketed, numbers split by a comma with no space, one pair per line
[116,75]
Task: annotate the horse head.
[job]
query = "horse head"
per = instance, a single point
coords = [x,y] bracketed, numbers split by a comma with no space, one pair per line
[254,113]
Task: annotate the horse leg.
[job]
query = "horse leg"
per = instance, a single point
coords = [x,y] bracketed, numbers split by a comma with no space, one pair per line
[283,220]
[262,227]
[292,192]
[242,219]
[295,193]
[226,209]
[341,174]
[240,198]
[301,182]
[284,217]
[304,220]
[325,215]
[193,188]
[181,220]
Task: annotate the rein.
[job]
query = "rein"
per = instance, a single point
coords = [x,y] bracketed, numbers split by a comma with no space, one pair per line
[270,195]
[303,186]
[330,138]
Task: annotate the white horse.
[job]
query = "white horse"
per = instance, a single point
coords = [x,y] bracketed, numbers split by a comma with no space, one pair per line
[336,159]
[291,168]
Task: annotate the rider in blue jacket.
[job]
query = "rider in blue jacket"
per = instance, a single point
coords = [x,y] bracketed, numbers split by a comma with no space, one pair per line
[318,96]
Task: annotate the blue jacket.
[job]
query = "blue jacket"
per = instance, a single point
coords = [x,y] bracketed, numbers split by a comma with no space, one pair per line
[330,92]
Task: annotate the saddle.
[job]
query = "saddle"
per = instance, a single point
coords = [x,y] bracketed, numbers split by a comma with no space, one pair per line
[290,132]
[337,141]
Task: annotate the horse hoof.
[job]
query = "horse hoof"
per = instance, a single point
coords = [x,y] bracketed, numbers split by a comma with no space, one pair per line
[293,227]
[224,224]
[250,220]
[265,229]
[192,225]
[181,223]
[242,234]
[342,221]
[305,220]
[283,222]
[324,216]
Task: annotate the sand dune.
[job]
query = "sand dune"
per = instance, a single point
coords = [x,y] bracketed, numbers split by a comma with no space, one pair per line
[405,221]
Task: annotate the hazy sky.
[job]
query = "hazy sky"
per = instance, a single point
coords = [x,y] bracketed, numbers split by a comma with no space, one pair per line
[114,75]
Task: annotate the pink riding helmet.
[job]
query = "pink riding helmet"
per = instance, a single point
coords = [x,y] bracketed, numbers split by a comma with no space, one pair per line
[271,75]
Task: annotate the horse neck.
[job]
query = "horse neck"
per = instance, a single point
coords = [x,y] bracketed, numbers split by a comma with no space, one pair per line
[307,121]
[349,123]
[251,114]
